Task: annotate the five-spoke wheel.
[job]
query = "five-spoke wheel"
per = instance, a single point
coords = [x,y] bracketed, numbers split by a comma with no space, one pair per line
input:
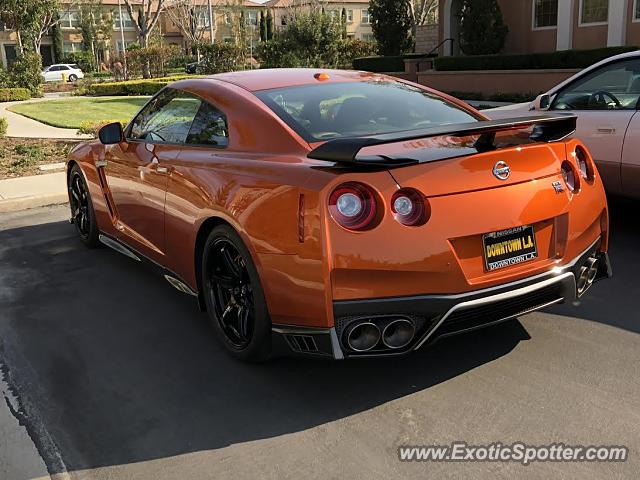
[82,214]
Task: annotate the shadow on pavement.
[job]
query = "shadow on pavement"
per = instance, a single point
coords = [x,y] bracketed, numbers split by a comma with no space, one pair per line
[122,368]
[615,302]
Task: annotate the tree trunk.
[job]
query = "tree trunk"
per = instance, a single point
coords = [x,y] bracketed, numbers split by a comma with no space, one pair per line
[144,43]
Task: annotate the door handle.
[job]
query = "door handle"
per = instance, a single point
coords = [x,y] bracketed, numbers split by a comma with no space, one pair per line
[606,130]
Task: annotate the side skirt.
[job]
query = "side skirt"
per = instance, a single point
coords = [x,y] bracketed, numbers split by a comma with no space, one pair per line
[174,280]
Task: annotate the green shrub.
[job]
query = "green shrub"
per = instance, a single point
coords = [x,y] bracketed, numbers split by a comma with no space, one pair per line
[14,94]
[561,59]
[25,73]
[383,64]
[84,60]
[349,50]
[132,87]
[156,56]
[29,155]
[90,127]
[482,28]
[276,54]
[220,57]
[3,126]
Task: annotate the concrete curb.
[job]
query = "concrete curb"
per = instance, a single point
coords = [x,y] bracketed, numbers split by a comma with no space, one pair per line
[33,201]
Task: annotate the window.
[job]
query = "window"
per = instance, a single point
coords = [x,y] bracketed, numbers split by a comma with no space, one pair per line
[167,118]
[127,21]
[120,47]
[365,17]
[202,17]
[334,110]
[227,18]
[334,15]
[636,11]
[69,19]
[545,13]
[368,37]
[612,87]
[594,11]
[252,17]
[209,127]
[349,16]
[71,47]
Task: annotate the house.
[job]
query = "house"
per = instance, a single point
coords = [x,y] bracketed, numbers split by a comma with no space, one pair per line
[224,11]
[549,25]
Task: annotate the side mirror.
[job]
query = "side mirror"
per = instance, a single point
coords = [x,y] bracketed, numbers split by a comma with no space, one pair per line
[542,102]
[111,133]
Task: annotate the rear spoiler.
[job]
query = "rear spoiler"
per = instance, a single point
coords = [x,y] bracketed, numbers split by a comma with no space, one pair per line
[546,128]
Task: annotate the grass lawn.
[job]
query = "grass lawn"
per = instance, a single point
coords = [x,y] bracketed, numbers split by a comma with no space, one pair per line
[71,112]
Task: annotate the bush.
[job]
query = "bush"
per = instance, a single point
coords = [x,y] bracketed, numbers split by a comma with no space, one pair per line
[157,56]
[14,94]
[391,26]
[276,54]
[84,60]
[220,57]
[25,72]
[349,50]
[93,127]
[3,126]
[132,87]
[561,59]
[384,64]
[482,29]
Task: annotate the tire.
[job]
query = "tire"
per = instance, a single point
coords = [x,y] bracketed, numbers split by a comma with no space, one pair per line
[234,297]
[73,77]
[82,212]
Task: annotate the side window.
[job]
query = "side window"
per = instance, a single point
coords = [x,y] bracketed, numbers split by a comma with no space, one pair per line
[166,119]
[54,69]
[612,87]
[209,127]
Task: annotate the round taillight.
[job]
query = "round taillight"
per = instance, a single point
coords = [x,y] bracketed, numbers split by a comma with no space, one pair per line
[353,206]
[409,207]
[585,164]
[570,176]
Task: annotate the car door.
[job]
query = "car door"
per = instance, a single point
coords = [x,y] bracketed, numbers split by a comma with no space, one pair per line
[605,101]
[53,74]
[630,166]
[137,169]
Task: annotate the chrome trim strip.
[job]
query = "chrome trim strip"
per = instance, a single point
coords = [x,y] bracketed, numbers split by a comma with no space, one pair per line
[118,247]
[496,298]
[300,331]
[179,285]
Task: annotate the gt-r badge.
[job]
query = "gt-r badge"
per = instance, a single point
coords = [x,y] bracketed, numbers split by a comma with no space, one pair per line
[557,186]
[501,170]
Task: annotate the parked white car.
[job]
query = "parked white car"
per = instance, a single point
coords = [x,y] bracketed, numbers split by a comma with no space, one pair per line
[605,97]
[55,72]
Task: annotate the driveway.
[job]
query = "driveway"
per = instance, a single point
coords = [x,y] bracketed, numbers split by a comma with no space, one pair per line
[117,375]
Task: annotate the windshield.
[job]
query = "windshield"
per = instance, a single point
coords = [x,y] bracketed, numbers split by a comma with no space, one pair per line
[325,111]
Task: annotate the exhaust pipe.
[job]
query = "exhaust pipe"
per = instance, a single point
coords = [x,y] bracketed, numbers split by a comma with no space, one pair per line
[588,273]
[398,333]
[362,337]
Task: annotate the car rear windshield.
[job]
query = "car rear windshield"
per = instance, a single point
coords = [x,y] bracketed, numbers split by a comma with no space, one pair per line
[325,111]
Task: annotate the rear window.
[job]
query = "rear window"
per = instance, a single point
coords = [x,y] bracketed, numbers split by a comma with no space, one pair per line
[334,110]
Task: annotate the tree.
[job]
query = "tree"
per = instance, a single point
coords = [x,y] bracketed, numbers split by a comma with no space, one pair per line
[269,22]
[391,24]
[57,40]
[191,18]
[31,19]
[482,29]
[95,25]
[343,23]
[422,12]
[263,27]
[145,22]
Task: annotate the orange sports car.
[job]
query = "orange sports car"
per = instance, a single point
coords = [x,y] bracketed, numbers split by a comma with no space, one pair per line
[343,214]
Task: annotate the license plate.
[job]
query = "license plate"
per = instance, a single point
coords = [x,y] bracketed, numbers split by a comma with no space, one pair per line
[509,247]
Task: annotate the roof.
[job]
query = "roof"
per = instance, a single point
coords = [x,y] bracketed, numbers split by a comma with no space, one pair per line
[265,79]
[301,3]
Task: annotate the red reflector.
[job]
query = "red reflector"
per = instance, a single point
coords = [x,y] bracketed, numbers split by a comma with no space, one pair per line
[321,76]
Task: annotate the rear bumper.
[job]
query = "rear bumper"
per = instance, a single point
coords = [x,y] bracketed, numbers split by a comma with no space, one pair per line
[438,316]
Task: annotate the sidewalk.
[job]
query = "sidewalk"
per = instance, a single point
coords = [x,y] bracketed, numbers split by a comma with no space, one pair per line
[24,127]
[30,192]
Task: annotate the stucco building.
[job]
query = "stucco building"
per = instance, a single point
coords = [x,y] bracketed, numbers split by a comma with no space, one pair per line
[225,13]
[549,25]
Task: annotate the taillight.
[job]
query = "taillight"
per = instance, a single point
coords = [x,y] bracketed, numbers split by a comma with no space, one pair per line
[570,176]
[409,207]
[585,164]
[353,205]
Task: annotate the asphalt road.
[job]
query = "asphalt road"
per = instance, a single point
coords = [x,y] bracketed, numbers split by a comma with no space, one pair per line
[117,375]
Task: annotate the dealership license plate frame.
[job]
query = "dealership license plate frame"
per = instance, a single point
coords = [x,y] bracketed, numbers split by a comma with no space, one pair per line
[513,258]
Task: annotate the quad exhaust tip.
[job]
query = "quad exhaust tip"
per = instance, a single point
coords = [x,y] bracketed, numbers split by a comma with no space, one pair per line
[362,337]
[587,275]
[398,333]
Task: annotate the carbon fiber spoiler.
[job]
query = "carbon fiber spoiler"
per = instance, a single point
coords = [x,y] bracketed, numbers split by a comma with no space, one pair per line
[545,128]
